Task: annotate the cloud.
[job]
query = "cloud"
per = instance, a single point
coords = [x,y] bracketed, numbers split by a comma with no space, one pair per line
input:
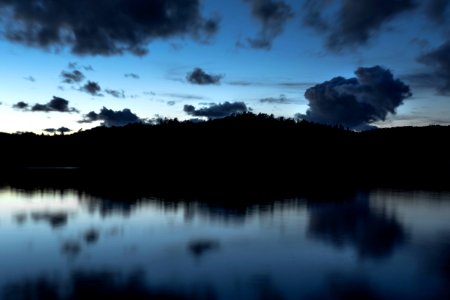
[54,219]
[215,111]
[50,130]
[353,23]
[92,88]
[91,236]
[198,76]
[56,104]
[372,233]
[421,79]
[71,248]
[171,103]
[199,248]
[273,16]
[183,96]
[356,102]
[61,130]
[116,93]
[132,75]
[438,60]
[112,118]
[102,27]
[74,65]
[242,83]
[21,105]
[283,84]
[282,99]
[437,10]
[30,79]
[72,77]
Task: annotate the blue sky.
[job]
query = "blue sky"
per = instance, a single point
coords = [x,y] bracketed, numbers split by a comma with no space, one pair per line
[297,60]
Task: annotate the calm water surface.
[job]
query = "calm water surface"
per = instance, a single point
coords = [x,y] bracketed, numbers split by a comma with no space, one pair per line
[382,244]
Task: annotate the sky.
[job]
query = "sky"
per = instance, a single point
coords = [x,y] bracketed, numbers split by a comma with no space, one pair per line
[73,65]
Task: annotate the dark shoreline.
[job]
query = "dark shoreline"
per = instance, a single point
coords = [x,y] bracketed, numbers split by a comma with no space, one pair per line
[245,154]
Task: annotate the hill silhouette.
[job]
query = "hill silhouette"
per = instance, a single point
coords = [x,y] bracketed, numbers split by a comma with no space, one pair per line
[245,152]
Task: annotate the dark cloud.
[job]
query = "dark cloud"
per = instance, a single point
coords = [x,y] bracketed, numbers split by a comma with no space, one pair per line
[91,236]
[312,14]
[273,16]
[356,102]
[30,79]
[373,234]
[54,219]
[71,248]
[50,130]
[198,248]
[242,83]
[61,130]
[74,65]
[116,93]
[354,22]
[20,218]
[198,76]
[92,88]
[421,79]
[21,105]
[438,60]
[260,43]
[420,42]
[295,84]
[437,10]
[72,77]
[102,27]
[183,96]
[132,75]
[171,103]
[215,111]
[282,99]
[112,118]
[284,84]
[56,104]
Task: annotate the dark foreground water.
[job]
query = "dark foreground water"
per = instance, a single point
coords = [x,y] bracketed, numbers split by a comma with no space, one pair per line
[382,244]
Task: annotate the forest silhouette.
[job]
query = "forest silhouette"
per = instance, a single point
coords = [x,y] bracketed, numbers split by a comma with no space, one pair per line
[245,152]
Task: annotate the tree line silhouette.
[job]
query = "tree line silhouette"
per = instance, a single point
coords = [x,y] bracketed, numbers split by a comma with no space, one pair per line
[240,152]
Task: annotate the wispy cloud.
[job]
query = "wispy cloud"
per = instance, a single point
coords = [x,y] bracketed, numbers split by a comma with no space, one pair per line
[30,78]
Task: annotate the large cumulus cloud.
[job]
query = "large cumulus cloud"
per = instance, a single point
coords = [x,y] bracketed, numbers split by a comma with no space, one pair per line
[273,16]
[356,102]
[101,27]
[215,111]
[351,23]
[112,118]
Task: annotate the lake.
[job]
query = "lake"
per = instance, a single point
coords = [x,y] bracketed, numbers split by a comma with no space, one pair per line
[376,244]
